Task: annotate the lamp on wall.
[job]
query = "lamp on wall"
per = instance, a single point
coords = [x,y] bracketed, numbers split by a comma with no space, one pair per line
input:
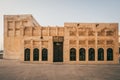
[41,37]
[97,25]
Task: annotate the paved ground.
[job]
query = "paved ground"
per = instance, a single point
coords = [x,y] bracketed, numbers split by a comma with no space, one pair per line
[14,70]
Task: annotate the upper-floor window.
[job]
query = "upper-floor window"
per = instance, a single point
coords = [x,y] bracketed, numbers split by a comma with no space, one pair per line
[72,33]
[81,33]
[101,33]
[91,33]
[109,33]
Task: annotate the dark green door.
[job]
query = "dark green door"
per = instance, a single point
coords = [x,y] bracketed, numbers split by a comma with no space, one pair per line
[58,52]
[27,54]
[36,54]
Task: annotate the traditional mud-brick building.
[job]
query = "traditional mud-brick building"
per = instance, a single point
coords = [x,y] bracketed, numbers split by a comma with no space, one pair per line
[78,43]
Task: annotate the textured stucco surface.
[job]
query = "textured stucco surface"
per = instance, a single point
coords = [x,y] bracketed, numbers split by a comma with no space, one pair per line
[22,32]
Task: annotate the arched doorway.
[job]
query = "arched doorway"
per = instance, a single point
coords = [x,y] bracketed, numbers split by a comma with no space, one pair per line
[91,54]
[72,54]
[44,54]
[36,54]
[109,54]
[82,54]
[27,54]
[100,54]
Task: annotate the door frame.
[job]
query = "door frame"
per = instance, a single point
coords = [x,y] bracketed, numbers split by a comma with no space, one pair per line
[58,53]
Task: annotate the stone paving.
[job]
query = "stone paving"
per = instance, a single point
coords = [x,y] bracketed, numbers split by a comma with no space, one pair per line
[15,70]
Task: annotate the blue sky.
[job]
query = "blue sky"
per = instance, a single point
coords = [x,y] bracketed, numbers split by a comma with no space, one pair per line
[56,12]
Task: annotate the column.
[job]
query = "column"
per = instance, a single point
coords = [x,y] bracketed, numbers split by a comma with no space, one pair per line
[105,50]
[31,51]
[87,47]
[14,28]
[77,39]
[96,49]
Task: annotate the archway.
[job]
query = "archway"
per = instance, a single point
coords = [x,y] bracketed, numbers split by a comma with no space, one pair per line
[82,54]
[91,54]
[27,54]
[100,54]
[72,54]
[109,54]
[44,54]
[36,54]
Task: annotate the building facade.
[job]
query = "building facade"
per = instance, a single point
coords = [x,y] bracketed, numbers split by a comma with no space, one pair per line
[73,43]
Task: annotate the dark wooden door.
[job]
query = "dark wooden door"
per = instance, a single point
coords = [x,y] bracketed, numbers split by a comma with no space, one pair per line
[58,52]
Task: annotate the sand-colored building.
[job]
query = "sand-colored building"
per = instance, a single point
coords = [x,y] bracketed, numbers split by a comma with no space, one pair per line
[73,43]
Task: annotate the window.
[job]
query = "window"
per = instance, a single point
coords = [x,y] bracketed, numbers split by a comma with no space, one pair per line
[27,54]
[72,33]
[36,54]
[101,33]
[91,42]
[91,33]
[82,54]
[44,54]
[82,33]
[109,33]
[91,54]
[109,54]
[72,54]
[100,54]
